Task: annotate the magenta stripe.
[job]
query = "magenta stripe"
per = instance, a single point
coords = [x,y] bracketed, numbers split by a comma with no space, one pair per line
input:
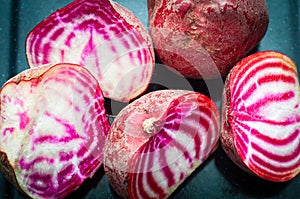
[45,52]
[155,186]
[9,130]
[240,117]
[164,165]
[237,128]
[142,174]
[69,38]
[263,80]
[243,66]
[134,38]
[198,143]
[140,189]
[65,173]
[281,169]
[277,65]
[276,157]
[57,33]
[255,133]
[29,166]
[271,98]
[66,156]
[150,181]
[277,78]
[45,189]
[68,186]
[275,141]
[140,165]
[89,164]
[89,24]
[246,95]
[137,171]
[256,168]
[211,111]
[241,148]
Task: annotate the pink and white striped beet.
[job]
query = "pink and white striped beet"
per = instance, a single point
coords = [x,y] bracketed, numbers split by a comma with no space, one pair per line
[157,141]
[261,116]
[102,36]
[53,128]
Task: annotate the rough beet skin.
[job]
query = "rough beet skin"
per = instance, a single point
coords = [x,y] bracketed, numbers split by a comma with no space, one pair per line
[204,39]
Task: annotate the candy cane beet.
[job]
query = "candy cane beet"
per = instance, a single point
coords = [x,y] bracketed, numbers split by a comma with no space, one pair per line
[261,116]
[102,36]
[52,129]
[157,141]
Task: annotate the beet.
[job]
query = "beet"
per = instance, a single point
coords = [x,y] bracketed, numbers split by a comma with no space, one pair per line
[261,116]
[158,140]
[205,39]
[103,36]
[53,128]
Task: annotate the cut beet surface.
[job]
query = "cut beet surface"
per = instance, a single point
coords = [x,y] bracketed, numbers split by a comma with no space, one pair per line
[53,128]
[158,140]
[102,36]
[261,116]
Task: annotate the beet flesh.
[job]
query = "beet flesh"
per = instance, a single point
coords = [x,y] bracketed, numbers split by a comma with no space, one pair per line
[53,129]
[261,126]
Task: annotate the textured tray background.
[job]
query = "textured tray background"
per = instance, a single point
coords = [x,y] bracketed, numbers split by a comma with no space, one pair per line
[218,177]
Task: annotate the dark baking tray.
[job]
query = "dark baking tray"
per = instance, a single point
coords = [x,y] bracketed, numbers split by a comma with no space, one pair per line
[218,177]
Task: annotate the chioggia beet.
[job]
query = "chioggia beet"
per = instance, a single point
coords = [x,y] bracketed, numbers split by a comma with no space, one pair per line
[205,39]
[102,36]
[261,116]
[53,128]
[158,140]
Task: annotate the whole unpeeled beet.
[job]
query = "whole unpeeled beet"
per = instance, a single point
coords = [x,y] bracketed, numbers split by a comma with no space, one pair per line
[204,39]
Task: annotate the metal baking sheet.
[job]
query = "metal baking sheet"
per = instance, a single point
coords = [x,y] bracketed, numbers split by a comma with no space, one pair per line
[218,177]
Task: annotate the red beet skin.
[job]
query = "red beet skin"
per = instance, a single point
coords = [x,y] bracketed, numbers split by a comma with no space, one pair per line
[157,141]
[53,128]
[261,116]
[204,39]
